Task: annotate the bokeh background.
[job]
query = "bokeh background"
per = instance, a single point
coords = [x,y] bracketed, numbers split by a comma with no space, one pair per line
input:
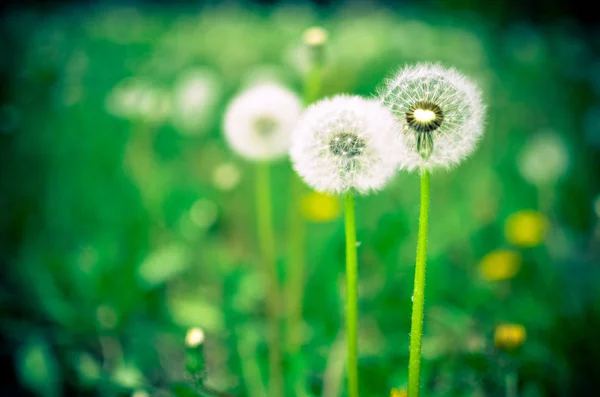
[126,221]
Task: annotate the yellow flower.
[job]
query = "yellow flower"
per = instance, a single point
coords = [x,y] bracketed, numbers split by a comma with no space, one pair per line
[319,207]
[499,265]
[398,393]
[509,336]
[526,228]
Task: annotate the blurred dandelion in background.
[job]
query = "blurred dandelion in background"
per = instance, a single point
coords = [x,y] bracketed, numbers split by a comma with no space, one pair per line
[259,121]
[195,98]
[226,176]
[194,337]
[544,159]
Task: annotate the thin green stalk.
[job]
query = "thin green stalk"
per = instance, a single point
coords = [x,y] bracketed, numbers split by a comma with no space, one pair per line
[266,239]
[295,280]
[351,297]
[313,83]
[416,329]
[511,384]
[246,345]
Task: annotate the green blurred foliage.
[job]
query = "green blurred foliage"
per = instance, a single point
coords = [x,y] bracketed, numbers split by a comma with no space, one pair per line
[126,219]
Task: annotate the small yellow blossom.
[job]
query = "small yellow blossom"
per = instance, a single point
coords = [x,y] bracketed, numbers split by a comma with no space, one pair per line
[509,336]
[500,265]
[398,393]
[319,207]
[526,228]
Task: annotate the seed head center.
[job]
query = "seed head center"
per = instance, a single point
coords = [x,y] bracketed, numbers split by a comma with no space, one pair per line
[347,145]
[424,117]
[265,125]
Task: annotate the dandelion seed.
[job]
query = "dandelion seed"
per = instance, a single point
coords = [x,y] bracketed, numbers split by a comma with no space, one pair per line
[345,143]
[439,114]
[259,121]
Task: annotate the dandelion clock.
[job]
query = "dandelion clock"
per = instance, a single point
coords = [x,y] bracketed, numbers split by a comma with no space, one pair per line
[347,145]
[257,125]
[259,121]
[439,115]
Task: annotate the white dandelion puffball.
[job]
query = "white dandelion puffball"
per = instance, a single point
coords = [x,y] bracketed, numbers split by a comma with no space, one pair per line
[544,159]
[259,121]
[439,113]
[345,143]
[195,98]
[137,99]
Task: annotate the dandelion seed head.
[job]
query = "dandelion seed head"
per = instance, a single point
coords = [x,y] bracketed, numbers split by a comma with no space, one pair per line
[196,95]
[194,337]
[258,122]
[315,36]
[345,143]
[439,114]
[544,159]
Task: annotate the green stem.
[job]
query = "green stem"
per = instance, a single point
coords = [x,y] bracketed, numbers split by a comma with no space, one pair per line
[313,83]
[295,281]
[246,345]
[511,384]
[266,239]
[416,329]
[351,297]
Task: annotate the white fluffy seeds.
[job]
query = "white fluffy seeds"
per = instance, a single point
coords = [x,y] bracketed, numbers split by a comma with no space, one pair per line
[258,122]
[439,114]
[345,143]
[544,159]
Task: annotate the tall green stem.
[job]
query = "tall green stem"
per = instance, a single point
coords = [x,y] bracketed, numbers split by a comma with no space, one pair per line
[511,384]
[351,297]
[416,329]
[266,239]
[295,280]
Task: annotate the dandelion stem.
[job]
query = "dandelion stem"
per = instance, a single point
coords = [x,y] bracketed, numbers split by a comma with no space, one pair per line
[295,281]
[511,384]
[351,297]
[266,239]
[416,330]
